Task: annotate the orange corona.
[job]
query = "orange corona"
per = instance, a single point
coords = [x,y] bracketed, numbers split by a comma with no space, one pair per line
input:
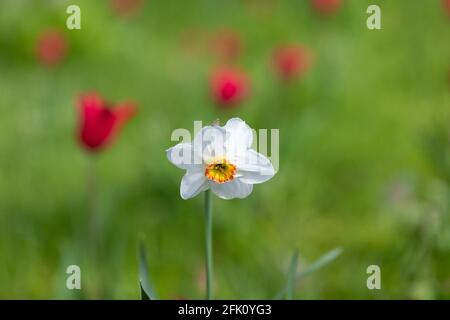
[220,171]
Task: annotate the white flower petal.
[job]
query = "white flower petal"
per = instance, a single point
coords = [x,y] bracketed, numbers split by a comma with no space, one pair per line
[239,136]
[232,189]
[210,142]
[253,167]
[192,184]
[230,143]
[183,156]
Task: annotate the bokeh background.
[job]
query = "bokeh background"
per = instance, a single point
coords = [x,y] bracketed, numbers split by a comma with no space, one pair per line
[364,149]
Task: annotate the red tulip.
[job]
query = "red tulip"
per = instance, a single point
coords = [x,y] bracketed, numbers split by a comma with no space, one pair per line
[229,86]
[326,6]
[226,45]
[446,5]
[291,61]
[51,47]
[99,124]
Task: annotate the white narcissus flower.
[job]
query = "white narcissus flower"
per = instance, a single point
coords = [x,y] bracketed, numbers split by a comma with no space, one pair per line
[221,159]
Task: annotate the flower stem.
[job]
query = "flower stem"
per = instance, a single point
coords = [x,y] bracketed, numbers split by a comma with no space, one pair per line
[92,203]
[93,236]
[208,245]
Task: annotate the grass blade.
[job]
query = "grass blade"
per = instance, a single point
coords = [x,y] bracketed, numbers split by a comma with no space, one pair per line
[147,292]
[291,278]
[327,258]
[321,262]
[144,295]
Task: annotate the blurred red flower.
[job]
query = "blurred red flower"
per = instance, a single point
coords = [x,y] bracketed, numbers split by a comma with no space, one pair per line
[229,86]
[51,47]
[446,5]
[98,123]
[326,6]
[291,61]
[226,45]
[126,8]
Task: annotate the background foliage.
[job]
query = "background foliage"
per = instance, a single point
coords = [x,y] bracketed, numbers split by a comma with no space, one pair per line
[364,151]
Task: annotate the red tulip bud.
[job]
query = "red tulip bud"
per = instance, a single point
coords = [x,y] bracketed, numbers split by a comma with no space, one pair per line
[291,61]
[99,123]
[229,86]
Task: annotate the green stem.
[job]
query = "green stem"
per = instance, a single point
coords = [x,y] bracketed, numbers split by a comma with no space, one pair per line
[93,227]
[292,273]
[208,245]
[92,203]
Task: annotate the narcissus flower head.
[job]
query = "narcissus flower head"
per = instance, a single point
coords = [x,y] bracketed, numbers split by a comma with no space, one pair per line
[229,86]
[221,159]
[291,61]
[51,47]
[99,123]
[326,6]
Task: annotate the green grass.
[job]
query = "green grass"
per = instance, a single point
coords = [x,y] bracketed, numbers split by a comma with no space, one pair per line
[354,131]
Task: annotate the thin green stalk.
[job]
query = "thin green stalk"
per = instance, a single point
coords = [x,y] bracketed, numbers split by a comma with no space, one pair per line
[208,245]
[292,273]
[93,227]
[92,197]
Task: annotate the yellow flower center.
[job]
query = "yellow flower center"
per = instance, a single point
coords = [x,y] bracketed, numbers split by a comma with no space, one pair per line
[220,171]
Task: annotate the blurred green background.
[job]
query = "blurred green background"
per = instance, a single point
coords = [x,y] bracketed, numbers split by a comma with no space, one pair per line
[364,150]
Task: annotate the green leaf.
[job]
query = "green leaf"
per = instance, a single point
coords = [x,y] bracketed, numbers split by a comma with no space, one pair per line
[328,257]
[144,295]
[147,292]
